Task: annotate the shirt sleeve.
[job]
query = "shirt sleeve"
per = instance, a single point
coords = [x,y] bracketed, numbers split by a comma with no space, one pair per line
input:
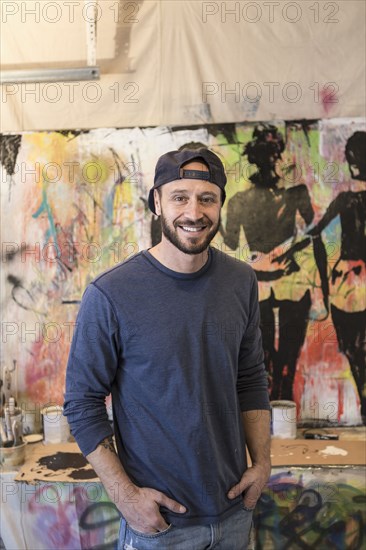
[91,369]
[252,383]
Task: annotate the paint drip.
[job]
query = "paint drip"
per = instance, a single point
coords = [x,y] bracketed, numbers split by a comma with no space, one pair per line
[331,450]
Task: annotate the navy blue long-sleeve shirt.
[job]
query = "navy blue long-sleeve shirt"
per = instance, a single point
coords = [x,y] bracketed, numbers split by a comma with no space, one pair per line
[181,354]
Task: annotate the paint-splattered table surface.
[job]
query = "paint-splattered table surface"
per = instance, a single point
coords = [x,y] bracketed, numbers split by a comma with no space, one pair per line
[65,463]
[304,452]
[348,450]
[55,462]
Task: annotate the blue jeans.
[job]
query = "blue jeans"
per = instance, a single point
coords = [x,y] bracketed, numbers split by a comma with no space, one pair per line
[232,533]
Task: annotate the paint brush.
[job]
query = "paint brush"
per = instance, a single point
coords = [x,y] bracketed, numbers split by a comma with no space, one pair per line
[3,436]
[321,436]
[4,439]
[17,433]
[11,406]
[8,427]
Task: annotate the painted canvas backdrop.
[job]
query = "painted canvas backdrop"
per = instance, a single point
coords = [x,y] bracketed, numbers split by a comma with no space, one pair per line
[302,508]
[74,204]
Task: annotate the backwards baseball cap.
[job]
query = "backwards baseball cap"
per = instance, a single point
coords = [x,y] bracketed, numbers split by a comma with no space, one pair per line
[170,167]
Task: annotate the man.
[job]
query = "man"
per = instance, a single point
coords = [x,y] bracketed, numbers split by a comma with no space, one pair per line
[173,333]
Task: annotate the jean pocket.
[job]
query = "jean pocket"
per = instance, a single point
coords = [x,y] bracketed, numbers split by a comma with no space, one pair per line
[149,535]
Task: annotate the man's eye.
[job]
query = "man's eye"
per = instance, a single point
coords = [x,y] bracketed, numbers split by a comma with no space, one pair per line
[178,199]
[208,199]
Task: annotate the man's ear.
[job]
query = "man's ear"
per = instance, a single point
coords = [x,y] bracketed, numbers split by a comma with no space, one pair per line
[157,202]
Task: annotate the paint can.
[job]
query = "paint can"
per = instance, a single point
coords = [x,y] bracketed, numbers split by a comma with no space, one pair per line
[12,457]
[283,419]
[55,425]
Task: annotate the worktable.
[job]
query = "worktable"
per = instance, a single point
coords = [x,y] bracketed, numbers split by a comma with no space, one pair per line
[314,499]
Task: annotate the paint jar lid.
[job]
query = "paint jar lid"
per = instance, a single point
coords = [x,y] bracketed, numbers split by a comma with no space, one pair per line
[33,438]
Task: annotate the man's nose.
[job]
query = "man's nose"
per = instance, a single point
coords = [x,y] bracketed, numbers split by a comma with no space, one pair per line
[193,209]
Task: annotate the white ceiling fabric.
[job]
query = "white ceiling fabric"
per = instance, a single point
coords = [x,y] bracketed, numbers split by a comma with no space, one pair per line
[185,62]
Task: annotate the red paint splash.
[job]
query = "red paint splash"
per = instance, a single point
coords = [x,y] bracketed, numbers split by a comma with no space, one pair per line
[328,98]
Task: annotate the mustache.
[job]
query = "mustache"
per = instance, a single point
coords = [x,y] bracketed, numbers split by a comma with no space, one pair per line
[189,223]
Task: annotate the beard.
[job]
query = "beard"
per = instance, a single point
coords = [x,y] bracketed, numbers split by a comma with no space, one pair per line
[195,245]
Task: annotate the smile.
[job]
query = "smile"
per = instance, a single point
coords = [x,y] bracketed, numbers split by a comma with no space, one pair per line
[192,229]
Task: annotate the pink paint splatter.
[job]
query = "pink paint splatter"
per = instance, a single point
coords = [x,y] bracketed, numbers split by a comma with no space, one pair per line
[328,98]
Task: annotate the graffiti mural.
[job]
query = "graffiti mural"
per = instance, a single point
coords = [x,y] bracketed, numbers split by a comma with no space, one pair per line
[305,508]
[312,508]
[75,204]
[68,516]
[267,213]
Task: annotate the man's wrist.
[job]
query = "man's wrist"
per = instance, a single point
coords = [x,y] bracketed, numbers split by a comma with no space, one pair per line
[123,494]
[264,465]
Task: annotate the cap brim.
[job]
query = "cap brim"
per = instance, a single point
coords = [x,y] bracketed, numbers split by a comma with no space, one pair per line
[151,201]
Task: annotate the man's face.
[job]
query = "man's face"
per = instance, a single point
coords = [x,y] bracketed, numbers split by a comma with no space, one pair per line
[189,210]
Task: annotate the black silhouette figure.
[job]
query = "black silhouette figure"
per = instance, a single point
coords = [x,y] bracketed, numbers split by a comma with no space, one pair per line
[348,279]
[267,213]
